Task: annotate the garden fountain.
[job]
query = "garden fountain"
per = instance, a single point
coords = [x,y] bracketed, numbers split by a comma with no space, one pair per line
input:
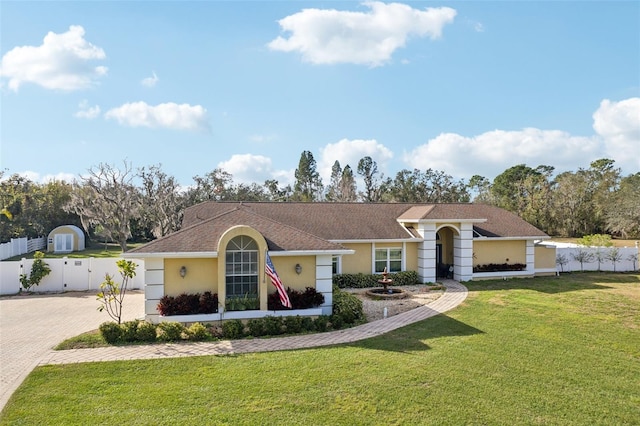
[386,292]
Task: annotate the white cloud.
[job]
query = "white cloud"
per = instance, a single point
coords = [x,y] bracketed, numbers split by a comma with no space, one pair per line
[249,168]
[150,81]
[86,111]
[618,123]
[490,153]
[167,115]
[349,152]
[329,36]
[61,62]
[617,126]
[38,178]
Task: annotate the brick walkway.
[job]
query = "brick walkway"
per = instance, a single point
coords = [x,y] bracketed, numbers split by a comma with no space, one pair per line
[29,331]
[454,295]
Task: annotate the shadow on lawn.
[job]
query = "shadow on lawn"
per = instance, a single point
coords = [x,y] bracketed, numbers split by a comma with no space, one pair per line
[412,337]
[557,284]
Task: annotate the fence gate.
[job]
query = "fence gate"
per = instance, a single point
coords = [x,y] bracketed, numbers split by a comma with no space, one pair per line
[76,274]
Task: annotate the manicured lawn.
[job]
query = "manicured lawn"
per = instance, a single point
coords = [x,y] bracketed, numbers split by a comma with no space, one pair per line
[94,250]
[541,351]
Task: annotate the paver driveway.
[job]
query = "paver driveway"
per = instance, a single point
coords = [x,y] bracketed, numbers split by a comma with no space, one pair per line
[31,325]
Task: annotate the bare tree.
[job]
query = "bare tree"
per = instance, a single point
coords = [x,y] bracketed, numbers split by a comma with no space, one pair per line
[562,260]
[614,256]
[583,256]
[162,202]
[107,198]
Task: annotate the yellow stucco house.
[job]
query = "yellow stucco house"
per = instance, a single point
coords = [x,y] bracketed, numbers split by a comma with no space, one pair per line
[222,247]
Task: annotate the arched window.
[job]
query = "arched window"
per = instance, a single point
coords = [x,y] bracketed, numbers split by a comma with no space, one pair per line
[242,268]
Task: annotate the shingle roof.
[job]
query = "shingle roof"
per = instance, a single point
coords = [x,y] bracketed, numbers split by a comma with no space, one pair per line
[204,236]
[313,226]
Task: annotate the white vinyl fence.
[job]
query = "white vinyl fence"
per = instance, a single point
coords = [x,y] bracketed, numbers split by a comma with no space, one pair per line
[597,259]
[67,274]
[18,246]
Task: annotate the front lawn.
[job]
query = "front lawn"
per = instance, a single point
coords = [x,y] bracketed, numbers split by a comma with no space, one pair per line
[529,351]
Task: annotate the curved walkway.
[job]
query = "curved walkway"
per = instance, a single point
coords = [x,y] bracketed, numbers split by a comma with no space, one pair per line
[454,294]
[31,326]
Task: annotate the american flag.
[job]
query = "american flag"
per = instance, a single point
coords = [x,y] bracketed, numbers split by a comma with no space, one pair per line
[275,280]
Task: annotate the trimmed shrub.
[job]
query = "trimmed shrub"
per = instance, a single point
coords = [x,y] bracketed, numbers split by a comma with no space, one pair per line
[321,323]
[111,332]
[170,331]
[256,327]
[404,278]
[273,326]
[310,298]
[347,308]
[197,331]
[130,330]
[503,267]
[233,329]
[361,280]
[146,332]
[293,324]
[208,303]
[189,304]
[307,324]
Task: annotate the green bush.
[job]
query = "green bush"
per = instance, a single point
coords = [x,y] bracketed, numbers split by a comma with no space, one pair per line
[130,330]
[273,325]
[321,323]
[111,332]
[347,308]
[361,280]
[197,331]
[146,332]
[170,331]
[404,278]
[307,324]
[293,324]
[256,327]
[233,329]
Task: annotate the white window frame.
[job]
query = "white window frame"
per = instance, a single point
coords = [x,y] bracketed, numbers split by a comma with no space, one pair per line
[388,258]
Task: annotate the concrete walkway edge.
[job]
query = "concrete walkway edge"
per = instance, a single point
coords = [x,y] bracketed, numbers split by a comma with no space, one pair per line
[454,294]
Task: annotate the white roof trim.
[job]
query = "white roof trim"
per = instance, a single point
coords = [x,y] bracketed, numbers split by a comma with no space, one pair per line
[483,238]
[309,252]
[156,255]
[395,240]
[214,254]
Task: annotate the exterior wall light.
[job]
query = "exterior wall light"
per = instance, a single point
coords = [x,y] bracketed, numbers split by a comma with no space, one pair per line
[298,268]
[183,271]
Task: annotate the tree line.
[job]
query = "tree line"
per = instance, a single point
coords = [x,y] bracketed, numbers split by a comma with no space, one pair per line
[120,204]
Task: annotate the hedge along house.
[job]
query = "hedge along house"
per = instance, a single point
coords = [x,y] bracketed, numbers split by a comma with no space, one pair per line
[65,239]
[222,248]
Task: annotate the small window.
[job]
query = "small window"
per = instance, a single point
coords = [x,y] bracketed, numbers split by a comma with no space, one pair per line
[335,265]
[390,258]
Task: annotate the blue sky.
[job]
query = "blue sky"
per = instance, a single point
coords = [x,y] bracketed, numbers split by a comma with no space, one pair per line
[463,87]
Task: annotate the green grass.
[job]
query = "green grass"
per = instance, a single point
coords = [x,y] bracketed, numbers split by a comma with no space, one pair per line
[90,339]
[531,351]
[94,250]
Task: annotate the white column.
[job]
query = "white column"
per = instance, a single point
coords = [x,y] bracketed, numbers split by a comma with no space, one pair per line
[427,253]
[324,282]
[531,257]
[153,288]
[463,253]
